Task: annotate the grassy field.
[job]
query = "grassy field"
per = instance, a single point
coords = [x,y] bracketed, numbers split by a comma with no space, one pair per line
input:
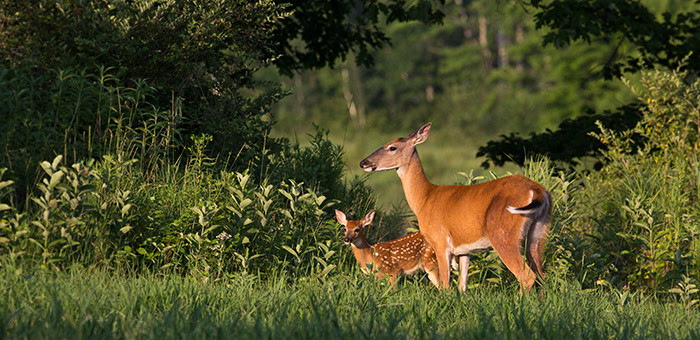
[80,303]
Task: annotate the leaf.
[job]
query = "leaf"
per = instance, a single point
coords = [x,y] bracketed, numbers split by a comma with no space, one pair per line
[286,194]
[40,202]
[4,207]
[142,251]
[57,161]
[266,205]
[327,270]
[55,178]
[83,189]
[47,167]
[676,291]
[244,203]
[291,251]
[126,229]
[5,184]
[125,209]
[321,261]
[323,247]
[242,179]
[209,230]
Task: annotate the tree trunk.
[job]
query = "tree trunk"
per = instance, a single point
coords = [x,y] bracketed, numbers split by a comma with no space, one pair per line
[502,47]
[464,20]
[352,92]
[519,38]
[484,42]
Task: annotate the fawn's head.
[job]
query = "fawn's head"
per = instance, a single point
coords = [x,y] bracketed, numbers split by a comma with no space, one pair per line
[353,229]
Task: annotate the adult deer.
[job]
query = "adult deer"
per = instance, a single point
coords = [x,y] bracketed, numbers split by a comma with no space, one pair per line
[458,220]
[404,255]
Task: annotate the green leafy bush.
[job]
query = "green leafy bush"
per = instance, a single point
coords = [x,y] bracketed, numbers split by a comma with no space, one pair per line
[191,220]
[638,217]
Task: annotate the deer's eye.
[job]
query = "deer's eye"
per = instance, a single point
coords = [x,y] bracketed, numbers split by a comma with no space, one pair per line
[392,148]
[357,231]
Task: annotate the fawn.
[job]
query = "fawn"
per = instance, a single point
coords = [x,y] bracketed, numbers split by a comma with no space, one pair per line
[406,254]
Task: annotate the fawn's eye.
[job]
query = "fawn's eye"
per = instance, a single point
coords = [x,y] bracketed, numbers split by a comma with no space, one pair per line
[392,148]
[357,231]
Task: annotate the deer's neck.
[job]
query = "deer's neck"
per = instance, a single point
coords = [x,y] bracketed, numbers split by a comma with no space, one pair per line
[416,186]
[363,250]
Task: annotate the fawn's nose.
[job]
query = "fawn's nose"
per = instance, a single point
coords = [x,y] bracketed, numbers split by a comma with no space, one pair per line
[347,240]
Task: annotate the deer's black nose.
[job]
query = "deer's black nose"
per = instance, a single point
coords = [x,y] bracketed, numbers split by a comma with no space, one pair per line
[347,240]
[365,163]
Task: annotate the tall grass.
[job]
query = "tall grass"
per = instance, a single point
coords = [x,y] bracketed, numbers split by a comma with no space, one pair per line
[94,304]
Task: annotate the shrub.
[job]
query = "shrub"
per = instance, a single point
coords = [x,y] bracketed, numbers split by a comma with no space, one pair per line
[192,220]
[639,215]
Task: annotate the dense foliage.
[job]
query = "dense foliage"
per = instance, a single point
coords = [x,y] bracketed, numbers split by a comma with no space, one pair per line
[640,214]
[645,35]
[320,33]
[142,206]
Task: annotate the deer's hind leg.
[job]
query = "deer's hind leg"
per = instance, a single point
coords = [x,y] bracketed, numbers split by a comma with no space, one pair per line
[506,242]
[534,249]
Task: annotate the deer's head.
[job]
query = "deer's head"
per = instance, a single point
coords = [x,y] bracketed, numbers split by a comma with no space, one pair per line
[396,153]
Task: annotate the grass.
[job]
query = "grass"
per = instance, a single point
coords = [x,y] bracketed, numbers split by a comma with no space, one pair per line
[81,303]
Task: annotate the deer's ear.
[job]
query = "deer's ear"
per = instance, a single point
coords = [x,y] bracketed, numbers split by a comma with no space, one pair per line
[420,135]
[341,217]
[368,218]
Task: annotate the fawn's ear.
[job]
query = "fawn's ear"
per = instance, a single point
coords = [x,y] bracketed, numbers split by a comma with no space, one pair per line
[368,218]
[341,217]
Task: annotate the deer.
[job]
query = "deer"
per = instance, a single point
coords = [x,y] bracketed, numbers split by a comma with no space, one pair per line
[457,220]
[404,255]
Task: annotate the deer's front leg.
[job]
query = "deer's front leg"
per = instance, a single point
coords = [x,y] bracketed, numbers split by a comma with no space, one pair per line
[444,258]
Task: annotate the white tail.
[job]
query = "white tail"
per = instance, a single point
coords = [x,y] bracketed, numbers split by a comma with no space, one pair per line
[457,220]
[404,255]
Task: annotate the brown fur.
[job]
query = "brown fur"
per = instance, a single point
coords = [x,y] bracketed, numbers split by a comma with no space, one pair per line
[404,255]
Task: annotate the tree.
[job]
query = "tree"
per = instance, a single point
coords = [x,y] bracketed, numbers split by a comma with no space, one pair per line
[319,33]
[643,40]
[202,54]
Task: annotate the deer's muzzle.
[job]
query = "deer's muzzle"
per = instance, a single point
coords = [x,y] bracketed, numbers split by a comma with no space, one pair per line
[367,165]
